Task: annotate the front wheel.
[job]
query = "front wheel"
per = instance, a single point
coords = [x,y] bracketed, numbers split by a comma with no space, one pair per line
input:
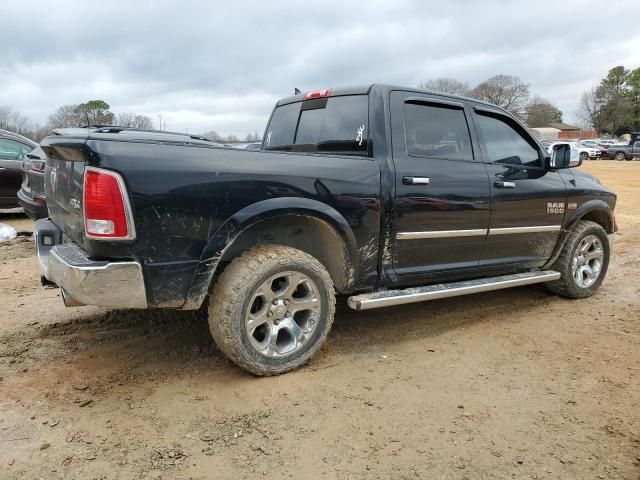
[583,261]
[584,156]
[272,309]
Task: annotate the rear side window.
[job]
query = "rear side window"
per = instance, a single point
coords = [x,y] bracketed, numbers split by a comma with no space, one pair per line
[326,125]
[504,144]
[10,150]
[437,132]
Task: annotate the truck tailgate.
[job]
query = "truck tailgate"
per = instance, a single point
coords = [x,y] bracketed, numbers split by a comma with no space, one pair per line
[63,180]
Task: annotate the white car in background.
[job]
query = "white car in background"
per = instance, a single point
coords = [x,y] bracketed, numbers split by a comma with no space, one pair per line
[584,151]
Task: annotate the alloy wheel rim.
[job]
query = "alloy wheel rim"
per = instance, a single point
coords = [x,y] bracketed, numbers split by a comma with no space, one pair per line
[283,313]
[586,265]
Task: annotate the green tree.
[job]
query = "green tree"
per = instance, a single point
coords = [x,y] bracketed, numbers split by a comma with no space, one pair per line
[541,112]
[95,112]
[633,97]
[614,111]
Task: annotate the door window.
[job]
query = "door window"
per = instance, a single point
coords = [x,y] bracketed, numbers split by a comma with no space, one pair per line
[504,144]
[10,150]
[437,132]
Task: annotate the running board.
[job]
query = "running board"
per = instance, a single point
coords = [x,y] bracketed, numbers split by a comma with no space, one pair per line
[387,298]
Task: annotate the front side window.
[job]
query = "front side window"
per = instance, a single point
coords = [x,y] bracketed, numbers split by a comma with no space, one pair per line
[328,125]
[10,150]
[504,144]
[437,132]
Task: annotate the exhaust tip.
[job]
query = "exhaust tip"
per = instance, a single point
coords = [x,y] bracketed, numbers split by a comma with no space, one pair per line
[69,301]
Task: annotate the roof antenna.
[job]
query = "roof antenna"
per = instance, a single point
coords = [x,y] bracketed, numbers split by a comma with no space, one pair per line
[296,91]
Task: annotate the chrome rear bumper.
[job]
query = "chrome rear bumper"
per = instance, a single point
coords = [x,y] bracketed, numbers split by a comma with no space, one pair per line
[85,281]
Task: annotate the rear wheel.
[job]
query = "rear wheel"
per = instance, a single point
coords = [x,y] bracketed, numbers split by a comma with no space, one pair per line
[620,156]
[583,261]
[272,309]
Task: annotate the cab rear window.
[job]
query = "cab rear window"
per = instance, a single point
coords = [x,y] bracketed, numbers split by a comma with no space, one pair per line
[336,125]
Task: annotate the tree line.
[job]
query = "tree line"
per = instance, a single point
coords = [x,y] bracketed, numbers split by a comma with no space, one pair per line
[506,91]
[216,137]
[92,112]
[613,106]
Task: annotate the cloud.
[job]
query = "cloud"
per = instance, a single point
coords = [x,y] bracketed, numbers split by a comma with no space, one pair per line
[221,65]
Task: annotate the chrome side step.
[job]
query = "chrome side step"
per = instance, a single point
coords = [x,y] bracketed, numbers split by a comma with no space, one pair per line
[387,298]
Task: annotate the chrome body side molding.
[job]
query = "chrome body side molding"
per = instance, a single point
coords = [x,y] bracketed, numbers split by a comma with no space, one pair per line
[534,229]
[441,234]
[477,232]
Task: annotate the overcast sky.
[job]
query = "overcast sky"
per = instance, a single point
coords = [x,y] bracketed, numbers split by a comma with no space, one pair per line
[206,65]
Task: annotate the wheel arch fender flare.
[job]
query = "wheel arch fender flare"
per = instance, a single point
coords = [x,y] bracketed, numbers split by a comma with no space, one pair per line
[594,206]
[224,237]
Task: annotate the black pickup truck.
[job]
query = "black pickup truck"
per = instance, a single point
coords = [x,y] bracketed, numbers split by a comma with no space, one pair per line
[385,195]
[625,152]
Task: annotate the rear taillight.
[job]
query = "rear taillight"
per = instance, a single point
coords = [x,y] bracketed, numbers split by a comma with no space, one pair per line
[107,213]
[38,166]
[325,92]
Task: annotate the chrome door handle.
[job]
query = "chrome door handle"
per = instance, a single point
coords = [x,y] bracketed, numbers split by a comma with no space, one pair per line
[501,184]
[416,180]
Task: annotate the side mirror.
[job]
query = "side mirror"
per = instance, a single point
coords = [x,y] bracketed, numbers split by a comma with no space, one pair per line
[564,155]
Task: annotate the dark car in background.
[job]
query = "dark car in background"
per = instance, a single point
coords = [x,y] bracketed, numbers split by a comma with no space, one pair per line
[13,148]
[31,196]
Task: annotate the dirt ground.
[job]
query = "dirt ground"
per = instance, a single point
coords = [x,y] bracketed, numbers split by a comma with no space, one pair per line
[511,384]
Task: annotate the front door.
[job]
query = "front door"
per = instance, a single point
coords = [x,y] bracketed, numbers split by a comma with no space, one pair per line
[528,202]
[442,188]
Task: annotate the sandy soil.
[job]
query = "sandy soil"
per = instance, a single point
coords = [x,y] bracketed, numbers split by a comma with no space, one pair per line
[514,384]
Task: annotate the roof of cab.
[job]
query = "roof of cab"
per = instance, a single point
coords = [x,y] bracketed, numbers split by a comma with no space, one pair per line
[385,88]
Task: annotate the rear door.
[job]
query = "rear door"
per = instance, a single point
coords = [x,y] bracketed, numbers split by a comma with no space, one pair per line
[442,188]
[528,202]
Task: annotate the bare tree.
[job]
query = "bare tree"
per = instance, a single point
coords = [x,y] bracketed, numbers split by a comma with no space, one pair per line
[125,119]
[252,137]
[588,108]
[142,121]
[446,85]
[506,91]
[212,135]
[130,119]
[66,116]
[15,122]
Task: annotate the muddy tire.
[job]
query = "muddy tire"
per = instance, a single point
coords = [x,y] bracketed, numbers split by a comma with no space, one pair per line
[583,261]
[272,309]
